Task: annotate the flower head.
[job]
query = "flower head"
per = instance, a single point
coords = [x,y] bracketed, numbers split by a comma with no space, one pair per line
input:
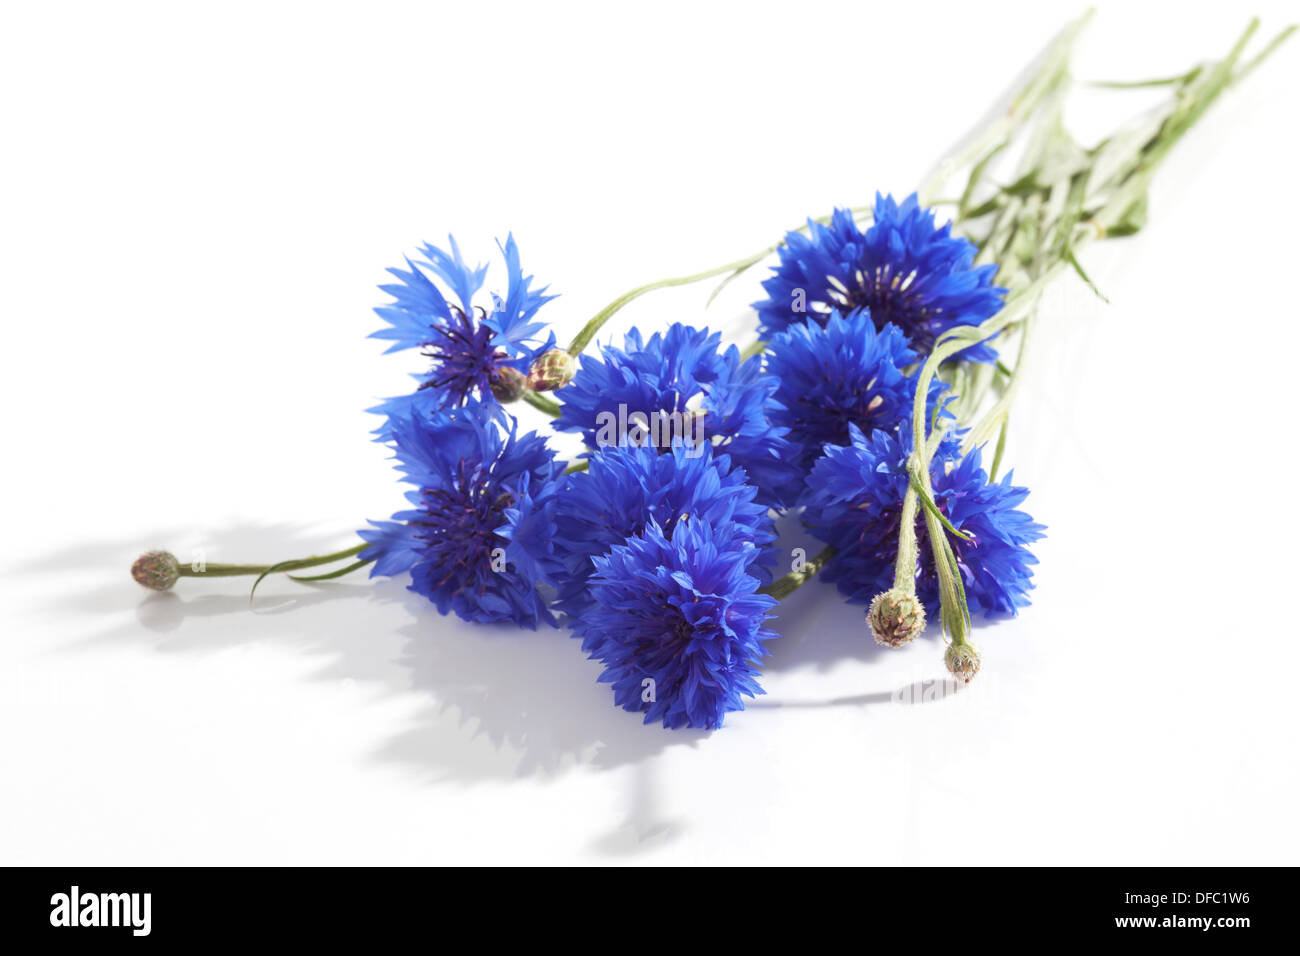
[962,661]
[896,617]
[853,502]
[551,370]
[625,488]
[473,351]
[839,374]
[530,530]
[680,623]
[156,570]
[678,385]
[903,269]
[476,539]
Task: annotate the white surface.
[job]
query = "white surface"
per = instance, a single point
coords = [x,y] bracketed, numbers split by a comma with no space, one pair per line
[197,206]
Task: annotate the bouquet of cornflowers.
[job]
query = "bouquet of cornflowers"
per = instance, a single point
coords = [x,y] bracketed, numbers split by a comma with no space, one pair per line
[873,405]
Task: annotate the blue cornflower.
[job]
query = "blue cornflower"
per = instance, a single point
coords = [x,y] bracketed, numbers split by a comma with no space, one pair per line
[853,500]
[530,530]
[903,269]
[477,539]
[841,374]
[678,384]
[473,352]
[678,623]
[627,487]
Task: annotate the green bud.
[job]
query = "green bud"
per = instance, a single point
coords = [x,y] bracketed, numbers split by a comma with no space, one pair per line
[963,661]
[551,370]
[895,617]
[508,384]
[156,570]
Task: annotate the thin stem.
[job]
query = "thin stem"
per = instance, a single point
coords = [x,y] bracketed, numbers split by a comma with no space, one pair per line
[998,415]
[787,584]
[1143,84]
[953,612]
[297,564]
[588,331]
[997,452]
[1056,248]
[1054,72]
[1273,44]
[542,403]
[905,564]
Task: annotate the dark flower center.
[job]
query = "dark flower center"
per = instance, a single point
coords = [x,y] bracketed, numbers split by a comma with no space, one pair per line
[820,422]
[464,359]
[459,527]
[890,298]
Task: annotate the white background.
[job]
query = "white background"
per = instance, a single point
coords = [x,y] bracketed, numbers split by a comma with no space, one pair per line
[196,205]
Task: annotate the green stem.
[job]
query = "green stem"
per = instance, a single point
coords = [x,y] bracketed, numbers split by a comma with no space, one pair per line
[993,137]
[787,584]
[1265,53]
[997,416]
[297,564]
[588,331]
[905,563]
[1045,254]
[997,452]
[542,403]
[953,612]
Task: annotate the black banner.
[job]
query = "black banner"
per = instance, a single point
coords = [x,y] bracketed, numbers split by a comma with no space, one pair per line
[221,906]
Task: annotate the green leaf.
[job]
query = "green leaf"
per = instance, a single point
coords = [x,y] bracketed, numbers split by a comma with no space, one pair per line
[282,566]
[997,452]
[931,507]
[330,574]
[976,174]
[1139,84]
[1026,185]
[1073,260]
[1132,220]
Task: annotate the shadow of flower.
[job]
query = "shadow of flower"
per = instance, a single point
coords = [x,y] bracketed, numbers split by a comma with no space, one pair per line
[499,703]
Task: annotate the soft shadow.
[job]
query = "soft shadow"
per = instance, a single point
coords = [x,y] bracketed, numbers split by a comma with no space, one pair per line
[909,695]
[502,703]
[643,828]
[532,696]
[819,629]
[499,703]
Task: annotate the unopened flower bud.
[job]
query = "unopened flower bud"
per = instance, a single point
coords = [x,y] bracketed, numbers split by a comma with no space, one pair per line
[551,370]
[963,661]
[157,570]
[508,384]
[895,617]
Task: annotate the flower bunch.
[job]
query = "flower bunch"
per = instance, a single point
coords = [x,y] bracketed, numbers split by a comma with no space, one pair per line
[891,341]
